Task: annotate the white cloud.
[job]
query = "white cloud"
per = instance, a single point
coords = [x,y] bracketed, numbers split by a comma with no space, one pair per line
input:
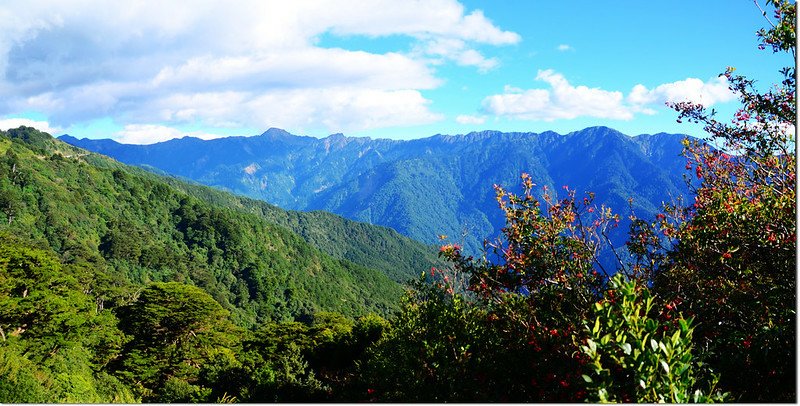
[512,89]
[418,18]
[564,48]
[561,101]
[691,89]
[298,109]
[150,133]
[301,68]
[564,101]
[467,119]
[44,126]
[457,51]
[79,60]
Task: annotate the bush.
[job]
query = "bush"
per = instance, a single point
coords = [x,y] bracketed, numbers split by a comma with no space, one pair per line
[638,353]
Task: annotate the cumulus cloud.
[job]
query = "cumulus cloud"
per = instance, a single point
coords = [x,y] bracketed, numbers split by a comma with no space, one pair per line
[44,126]
[79,60]
[691,89]
[467,119]
[456,50]
[564,48]
[563,100]
[332,108]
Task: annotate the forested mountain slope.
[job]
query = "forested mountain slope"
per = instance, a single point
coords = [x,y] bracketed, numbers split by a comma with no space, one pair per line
[133,227]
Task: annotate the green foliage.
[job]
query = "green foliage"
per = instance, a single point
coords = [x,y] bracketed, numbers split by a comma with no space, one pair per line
[431,353]
[18,380]
[136,285]
[638,353]
[374,247]
[311,361]
[175,329]
[176,390]
[54,338]
[131,227]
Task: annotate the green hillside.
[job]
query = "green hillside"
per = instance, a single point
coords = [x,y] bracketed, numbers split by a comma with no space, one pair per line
[376,247]
[131,227]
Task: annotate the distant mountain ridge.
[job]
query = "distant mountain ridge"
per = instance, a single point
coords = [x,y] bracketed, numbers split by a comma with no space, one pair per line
[423,187]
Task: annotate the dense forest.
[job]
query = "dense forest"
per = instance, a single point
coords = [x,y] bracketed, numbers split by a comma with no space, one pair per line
[118,285]
[109,237]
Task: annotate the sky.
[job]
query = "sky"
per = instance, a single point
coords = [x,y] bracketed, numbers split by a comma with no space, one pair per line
[147,71]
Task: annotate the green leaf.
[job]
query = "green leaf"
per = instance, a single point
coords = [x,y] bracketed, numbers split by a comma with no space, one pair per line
[650,325]
[684,325]
[603,395]
[676,337]
[664,365]
[587,378]
[654,344]
[596,326]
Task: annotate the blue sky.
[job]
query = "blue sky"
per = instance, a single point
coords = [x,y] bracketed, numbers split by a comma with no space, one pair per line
[147,71]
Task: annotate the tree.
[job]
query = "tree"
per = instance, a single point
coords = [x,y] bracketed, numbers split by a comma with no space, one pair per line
[732,259]
[53,340]
[175,330]
[500,327]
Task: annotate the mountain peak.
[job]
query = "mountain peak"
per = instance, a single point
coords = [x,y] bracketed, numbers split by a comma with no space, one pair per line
[601,129]
[67,138]
[276,133]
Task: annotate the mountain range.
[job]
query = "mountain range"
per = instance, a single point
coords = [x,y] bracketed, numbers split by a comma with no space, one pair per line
[424,187]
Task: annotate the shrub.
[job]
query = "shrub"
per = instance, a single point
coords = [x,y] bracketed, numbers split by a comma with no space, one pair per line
[638,353]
